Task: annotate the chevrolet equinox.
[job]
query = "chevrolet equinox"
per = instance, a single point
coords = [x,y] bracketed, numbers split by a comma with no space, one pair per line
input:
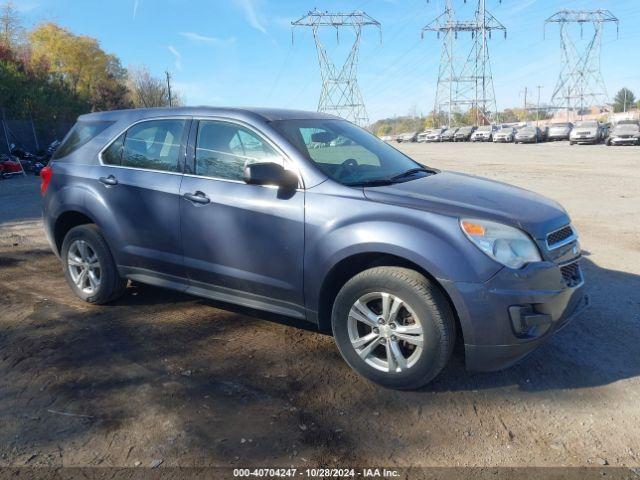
[306,215]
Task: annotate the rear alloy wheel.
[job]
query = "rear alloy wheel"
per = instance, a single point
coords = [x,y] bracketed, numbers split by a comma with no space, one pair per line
[89,267]
[84,267]
[393,326]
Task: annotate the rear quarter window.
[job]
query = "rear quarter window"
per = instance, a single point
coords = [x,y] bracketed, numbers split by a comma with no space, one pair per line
[80,134]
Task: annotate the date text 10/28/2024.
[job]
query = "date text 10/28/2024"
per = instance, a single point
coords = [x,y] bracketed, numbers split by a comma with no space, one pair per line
[316,472]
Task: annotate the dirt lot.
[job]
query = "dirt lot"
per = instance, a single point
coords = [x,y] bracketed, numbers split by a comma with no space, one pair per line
[163,377]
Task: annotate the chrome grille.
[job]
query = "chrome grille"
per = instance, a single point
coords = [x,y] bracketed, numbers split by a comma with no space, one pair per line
[560,237]
[571,274]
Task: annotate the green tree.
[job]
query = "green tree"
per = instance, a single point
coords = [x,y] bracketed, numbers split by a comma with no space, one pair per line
[623,100]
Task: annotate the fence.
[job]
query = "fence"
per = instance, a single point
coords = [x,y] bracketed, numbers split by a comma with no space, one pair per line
[30,135]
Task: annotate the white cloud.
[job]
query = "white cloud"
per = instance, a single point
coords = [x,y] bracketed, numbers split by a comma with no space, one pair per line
[136,4]
[250,9]
[197,38]
[176,53]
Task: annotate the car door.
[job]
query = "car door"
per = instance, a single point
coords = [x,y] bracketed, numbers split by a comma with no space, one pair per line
[140,174]
[241,243]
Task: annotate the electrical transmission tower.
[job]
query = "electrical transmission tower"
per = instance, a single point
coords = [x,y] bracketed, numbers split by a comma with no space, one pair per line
[580,82]
[465,82]
[340,91]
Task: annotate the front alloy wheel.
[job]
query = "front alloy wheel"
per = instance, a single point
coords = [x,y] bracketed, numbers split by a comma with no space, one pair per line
[393,326]
[385,332]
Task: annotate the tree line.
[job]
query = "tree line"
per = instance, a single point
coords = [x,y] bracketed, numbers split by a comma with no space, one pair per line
[48,73]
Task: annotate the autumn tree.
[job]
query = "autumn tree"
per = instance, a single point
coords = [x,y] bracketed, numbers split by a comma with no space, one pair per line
[80,62]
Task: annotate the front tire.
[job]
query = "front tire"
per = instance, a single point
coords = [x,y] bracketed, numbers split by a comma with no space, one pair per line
[89,267]
[394,326]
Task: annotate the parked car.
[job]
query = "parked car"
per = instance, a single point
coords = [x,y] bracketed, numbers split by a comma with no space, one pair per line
[436,135]
[464,134]
[407,137]
[449,134]
[504,135]
[528,135]
[393,258]
[484,133]
[588,132]
[422,137]
[560,131]
[9,165]
[624,133]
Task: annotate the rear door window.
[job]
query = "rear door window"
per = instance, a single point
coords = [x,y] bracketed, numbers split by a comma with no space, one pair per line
[81,133]
[153,145]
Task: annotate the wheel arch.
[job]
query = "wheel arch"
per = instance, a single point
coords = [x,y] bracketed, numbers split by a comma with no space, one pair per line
[65,222]
[350,266]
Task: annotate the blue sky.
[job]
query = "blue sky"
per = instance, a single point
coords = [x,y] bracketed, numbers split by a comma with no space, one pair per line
[240,52]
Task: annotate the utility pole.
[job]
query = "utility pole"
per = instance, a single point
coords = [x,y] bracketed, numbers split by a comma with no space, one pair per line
[538,107]
[169,87]
[625,101]
[340,93]
[525,102]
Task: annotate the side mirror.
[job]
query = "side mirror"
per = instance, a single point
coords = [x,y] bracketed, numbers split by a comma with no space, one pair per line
[269,173]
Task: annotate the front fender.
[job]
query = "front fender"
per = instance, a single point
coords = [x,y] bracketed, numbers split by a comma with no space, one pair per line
[338,228]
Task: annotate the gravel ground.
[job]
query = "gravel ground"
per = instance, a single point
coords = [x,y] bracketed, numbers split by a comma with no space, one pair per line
[160,378]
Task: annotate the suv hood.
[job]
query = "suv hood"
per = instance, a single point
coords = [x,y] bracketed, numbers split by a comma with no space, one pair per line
[461,195]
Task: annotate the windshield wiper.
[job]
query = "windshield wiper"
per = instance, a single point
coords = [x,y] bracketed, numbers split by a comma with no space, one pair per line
[371,183]
[409,172]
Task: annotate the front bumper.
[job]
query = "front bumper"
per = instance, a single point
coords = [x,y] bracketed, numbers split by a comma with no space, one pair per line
[486,313]
[625,141]
[526,139]
[584,140]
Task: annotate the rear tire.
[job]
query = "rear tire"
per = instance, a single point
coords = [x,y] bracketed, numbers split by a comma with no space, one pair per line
[89,267]
[394,326]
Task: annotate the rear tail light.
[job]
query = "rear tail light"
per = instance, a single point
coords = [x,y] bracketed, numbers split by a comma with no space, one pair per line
[45,174]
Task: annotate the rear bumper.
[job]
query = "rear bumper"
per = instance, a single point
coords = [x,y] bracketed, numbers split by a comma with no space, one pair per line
[513,313]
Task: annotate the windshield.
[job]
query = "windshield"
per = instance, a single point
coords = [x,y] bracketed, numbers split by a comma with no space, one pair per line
[527,130]
[561,125]
[347,153]
[484,128]
[464,130]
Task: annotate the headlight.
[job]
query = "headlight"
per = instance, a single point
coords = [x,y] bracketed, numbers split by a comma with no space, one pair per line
[506,245]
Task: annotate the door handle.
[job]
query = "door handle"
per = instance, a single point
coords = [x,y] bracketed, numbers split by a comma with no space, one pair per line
[197,197]
[110,180]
